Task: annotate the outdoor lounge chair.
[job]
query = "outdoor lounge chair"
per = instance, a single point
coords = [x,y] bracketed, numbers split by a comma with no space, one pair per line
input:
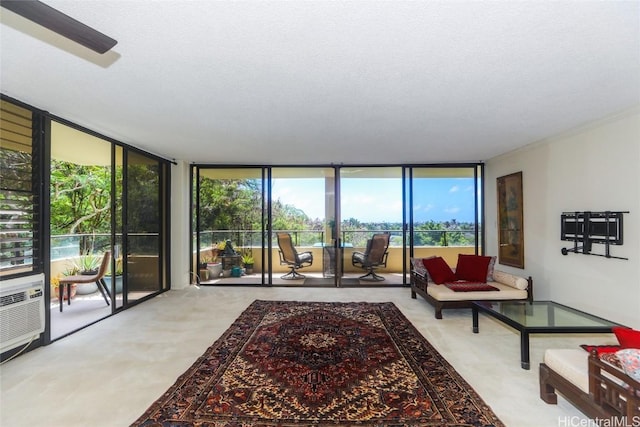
[98,278]
[290,257]
[375,256]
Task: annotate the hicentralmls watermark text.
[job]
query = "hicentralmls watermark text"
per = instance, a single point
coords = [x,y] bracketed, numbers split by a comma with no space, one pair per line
[576,421]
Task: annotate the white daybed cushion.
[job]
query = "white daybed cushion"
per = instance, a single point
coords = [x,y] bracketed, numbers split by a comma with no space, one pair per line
[442,293]
[572,364]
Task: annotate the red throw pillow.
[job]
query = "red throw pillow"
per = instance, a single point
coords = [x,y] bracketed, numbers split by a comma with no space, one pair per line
[472,268]
[628,338]
[439,270]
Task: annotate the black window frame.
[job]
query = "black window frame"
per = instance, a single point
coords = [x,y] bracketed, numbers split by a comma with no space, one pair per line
[35,192]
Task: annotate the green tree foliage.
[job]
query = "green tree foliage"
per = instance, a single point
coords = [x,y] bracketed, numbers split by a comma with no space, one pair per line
[80,200]
[236,205]
[143,209]
[230,204]
[144,205]
[287,217]
[446,233]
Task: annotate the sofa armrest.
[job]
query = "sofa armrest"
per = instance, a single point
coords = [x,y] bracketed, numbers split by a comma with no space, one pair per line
[517,282]
[419,279]
[509,279]
[610,386]
[419,275]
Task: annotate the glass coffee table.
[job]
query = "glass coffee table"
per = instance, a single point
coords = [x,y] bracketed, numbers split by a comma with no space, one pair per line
[540,317]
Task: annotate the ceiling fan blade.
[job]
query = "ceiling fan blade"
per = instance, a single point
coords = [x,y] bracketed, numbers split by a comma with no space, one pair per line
[60,23]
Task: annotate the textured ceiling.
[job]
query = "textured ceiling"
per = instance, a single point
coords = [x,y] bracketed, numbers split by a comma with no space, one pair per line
[314,82]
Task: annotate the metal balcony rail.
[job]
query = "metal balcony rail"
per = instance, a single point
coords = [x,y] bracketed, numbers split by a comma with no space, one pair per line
[355,238]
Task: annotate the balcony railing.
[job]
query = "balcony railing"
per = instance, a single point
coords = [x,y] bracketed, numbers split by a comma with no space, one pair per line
[355,238]
[65,246]
[68,246]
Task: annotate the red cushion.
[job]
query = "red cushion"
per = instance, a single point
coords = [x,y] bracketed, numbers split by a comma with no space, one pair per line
[628,338]
[463,286]
[472,268]
[439,270]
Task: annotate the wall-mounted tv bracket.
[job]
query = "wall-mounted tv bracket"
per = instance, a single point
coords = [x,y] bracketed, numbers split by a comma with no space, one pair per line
[592,227]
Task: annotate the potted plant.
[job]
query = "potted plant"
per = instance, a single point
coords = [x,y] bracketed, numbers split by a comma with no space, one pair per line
[214,267]
[88,264]
[108,277]
[248,262]
[55,290]
[85,265]
[203,272]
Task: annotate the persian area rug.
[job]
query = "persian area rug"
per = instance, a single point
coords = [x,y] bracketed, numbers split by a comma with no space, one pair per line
[284,363]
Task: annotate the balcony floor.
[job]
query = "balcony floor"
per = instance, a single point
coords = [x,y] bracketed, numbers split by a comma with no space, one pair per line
[311,279]
[84,310]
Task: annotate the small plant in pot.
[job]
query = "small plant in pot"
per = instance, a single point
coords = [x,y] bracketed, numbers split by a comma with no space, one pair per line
[203,271]
[85,265]
[248,262]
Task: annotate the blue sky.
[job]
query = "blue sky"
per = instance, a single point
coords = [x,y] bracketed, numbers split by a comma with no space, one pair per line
[376,200]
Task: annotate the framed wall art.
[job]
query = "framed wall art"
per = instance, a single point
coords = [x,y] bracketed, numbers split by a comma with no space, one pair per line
[510,220]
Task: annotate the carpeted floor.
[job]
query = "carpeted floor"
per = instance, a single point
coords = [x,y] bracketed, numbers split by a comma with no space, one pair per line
[320,363]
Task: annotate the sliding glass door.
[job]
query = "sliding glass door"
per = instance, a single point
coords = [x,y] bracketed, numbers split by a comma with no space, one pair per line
[143,236]
[229,225]
[104,198]
[371,226]
[79,225]
[303,218]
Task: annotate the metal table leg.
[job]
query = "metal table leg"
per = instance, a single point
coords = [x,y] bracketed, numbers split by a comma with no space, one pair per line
[524,350]
[474,313]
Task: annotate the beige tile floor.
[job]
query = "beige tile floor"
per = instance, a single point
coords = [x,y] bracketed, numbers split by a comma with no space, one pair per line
[109,373]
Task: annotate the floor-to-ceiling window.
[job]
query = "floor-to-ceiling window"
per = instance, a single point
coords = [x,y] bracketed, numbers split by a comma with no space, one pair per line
[79,226]
[371,203]
[302,206]
[444,213]
[335,216]
[228,229]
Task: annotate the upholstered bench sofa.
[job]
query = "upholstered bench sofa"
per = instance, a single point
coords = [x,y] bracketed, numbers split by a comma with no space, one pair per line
[458,291]
[604,386]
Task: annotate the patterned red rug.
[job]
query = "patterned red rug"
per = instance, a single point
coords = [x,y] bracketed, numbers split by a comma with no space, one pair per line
[286,363]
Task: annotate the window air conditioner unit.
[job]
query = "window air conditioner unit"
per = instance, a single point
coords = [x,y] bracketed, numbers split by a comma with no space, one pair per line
[21,311]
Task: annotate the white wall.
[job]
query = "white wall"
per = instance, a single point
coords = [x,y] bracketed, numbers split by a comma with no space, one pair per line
[180,218]
[595,168]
